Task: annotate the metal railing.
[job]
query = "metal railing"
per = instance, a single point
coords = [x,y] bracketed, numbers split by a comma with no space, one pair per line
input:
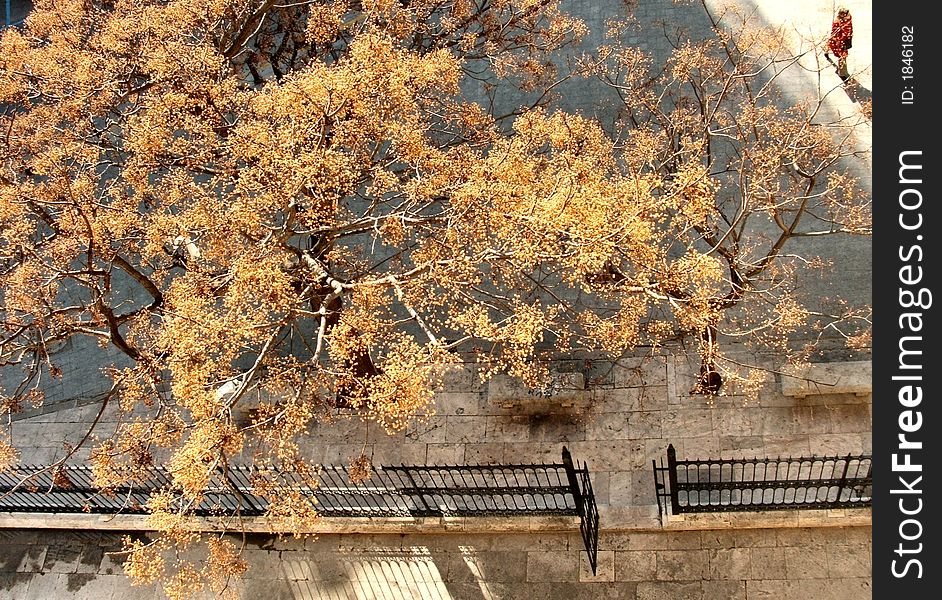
[588,512]
[391,491]
[11,18]
[759,484]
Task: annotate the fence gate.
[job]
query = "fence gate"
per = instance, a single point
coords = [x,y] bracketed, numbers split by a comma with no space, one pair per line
[758,484]
[421,491]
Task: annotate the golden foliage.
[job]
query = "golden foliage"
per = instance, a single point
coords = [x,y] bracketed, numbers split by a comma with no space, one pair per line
[145,562]
[361,469]
[9,455]
[222,564]
[276,209]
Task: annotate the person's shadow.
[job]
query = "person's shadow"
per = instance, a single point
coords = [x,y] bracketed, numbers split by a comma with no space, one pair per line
[857,92]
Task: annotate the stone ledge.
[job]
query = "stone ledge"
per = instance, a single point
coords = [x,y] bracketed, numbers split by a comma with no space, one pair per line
[848,517]
[633,518]
[853,377]
[565,394]
[612,519]
[327,525]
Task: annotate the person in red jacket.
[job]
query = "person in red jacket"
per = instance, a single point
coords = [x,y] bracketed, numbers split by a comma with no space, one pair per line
[842,32]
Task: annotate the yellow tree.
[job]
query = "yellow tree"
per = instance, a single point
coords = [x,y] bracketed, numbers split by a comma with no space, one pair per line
[301,205]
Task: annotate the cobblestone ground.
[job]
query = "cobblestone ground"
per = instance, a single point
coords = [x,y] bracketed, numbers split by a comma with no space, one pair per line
[747,564]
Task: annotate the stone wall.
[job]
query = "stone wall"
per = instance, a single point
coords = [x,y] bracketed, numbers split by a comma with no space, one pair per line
[755,564]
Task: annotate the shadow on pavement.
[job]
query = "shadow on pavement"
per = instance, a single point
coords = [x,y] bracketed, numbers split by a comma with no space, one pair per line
[857,92]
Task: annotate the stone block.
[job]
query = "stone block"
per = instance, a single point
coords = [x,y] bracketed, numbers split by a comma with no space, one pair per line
[684,540]
[22,558]
[738,538]
[264,564]
[605,567]
[567,401]
[687,423]
[737,422]
[601,486]
[669,590]
[767,563]
[341,454]
[766,589]
[460,378]
[758,445]
[607,426]
[731,563]
[613,401]
[645,425]
[503,387]
[853,377]
[682,565]
[640,372]
[600,455]
[630,517]
[644,540]
[806,563]
[91,558]
[725,590]
[552,566]
[619,490]
[635,565]
[551,523]
[484,454]
[850,418]
[429,430]
[848,563]
[557,428]
[840,444]
[507,428]
[396,454]
[460,403]
[852,588]
[795,420]
[62,558]
[539,452]
[15,585]
[465,430]
[445,454]
[487,566]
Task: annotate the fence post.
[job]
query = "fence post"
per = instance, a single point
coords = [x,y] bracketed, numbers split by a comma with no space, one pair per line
[573,481]
[658,489]
[843,484]
[429,510]
[588,515]
[672,478]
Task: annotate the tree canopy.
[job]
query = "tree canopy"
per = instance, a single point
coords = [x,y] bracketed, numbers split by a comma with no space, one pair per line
[306,205]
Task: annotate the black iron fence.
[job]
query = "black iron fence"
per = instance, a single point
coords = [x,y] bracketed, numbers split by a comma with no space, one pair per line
[12,12]
[758,484]
[586,508]
[421,491]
